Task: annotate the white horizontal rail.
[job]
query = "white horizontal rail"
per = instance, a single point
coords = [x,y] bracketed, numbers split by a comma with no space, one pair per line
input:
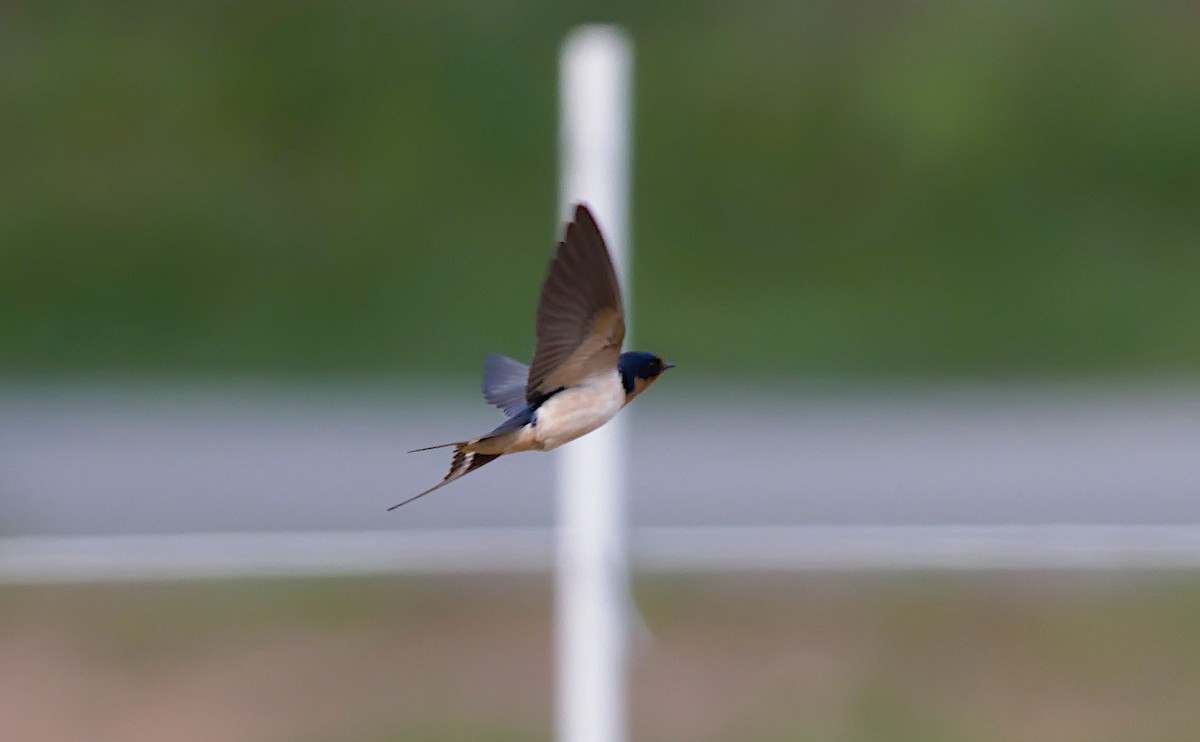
[661,550]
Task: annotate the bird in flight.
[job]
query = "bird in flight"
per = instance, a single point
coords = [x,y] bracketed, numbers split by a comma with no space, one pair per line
[578,378]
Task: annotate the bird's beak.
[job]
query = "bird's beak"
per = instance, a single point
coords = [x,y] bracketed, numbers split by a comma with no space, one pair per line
[668,365]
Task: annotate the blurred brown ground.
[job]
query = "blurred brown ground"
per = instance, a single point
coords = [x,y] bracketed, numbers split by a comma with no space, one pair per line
[830,657]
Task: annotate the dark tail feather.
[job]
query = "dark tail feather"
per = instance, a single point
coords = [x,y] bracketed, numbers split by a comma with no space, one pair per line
[440,445]
[463,464]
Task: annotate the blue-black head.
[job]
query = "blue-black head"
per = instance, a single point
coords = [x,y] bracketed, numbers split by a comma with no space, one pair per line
[639,370]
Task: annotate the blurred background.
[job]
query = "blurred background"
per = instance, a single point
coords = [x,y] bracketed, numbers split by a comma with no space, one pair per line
[920,264]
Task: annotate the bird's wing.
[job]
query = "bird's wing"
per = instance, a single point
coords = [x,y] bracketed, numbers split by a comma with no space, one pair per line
[504,383]
[580,319]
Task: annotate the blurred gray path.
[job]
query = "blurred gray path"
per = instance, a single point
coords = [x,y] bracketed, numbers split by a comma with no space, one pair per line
[94,461]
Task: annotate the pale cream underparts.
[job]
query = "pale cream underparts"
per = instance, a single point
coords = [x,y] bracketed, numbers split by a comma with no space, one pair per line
[573,412]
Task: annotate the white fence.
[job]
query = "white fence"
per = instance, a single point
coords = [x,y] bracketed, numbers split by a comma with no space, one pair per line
[654,550]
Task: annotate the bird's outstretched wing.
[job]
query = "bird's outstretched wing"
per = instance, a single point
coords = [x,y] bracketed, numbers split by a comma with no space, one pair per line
[504,383]
[580,318]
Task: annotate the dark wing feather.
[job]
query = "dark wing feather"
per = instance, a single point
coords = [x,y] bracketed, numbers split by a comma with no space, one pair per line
[504,383]
[580,319]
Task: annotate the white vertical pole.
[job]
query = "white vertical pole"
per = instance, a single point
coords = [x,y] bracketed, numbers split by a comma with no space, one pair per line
[592,587]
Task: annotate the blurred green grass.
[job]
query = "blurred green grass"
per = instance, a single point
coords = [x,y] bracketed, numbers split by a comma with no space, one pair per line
[828,188]
[979,657]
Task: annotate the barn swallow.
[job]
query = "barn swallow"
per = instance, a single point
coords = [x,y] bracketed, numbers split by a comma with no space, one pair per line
[578,378]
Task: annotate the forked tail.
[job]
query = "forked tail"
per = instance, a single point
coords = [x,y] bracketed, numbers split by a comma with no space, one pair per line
[464,463]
